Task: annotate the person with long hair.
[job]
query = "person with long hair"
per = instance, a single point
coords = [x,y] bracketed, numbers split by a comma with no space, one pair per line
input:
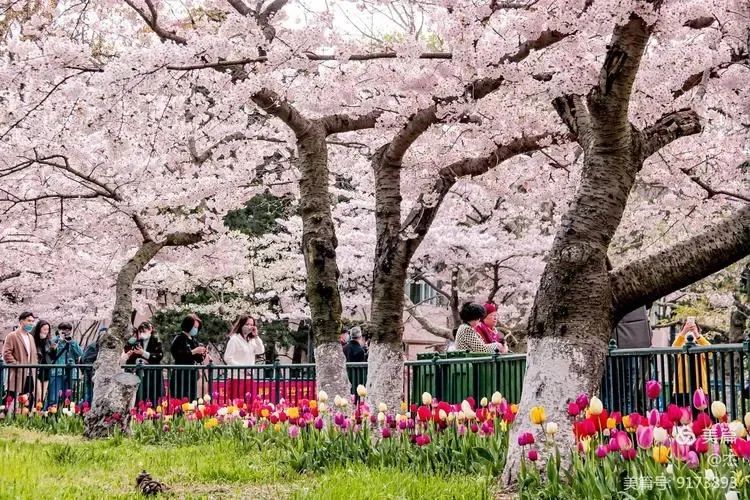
[242,349]
[44,356]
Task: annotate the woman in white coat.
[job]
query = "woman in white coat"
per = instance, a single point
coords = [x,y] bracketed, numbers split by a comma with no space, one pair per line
[242,349]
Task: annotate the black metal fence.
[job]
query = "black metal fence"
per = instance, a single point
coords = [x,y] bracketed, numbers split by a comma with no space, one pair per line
[721,370]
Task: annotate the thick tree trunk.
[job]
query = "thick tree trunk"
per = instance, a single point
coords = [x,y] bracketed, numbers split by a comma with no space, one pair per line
[571,319]
[319,247]
[115,390]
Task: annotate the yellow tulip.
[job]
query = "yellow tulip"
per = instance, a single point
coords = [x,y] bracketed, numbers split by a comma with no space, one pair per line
[661,454]
[537,415]
[611,423]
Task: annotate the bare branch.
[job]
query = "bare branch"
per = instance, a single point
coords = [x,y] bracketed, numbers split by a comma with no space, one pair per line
[151,20]
[667,129]
[438,331]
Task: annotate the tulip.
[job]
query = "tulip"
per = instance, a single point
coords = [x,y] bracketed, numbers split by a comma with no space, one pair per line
[533,455]
[423,440]
[318,423]
[628,454]
[611,423]
[383,407]
[595,406]
[660,435]
[623,440]
[747,419]
[551,428]
[601,451]
[653,417]
[461,430]
[361,391]
[670,469]
[584,445]
[613,446]
[661,454]
[442,415]
[381,417]
[496,398]
[426,398]
[718,409]
[537,415]
[467,409]
[692,460]
[732,495]
[644,436]
[738,429]
[582,401]
[423,413]
[483,402]
[525,438]
[573,409]
[386,433]
[741,448]
[474,427]
[293,431]
[699,399]
[653,389]
[710,476]
[700,445]
[322,396]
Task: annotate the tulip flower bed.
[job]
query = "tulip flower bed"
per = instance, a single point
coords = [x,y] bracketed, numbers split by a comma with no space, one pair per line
[432,438]
[683,452]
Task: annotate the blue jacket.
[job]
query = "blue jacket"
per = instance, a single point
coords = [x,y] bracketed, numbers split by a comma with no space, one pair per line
[66,351]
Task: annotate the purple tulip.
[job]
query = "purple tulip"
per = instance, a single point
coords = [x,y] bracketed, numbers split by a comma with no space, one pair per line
[601,451]
[293,431]
[386,433]
[582,401]
[339,419]
[318,423]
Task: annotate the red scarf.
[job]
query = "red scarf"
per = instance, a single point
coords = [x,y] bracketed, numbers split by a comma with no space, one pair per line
[488,334]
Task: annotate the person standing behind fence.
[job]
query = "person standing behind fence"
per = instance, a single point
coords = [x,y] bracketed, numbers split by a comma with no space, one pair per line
[42,341]
[147,350]
[186,350]
[467,337]
[19,349]
[354,350]
[486,328]
[242,349]
[691,372]
[65,350]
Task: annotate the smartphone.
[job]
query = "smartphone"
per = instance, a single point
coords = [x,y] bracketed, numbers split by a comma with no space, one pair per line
[690,320]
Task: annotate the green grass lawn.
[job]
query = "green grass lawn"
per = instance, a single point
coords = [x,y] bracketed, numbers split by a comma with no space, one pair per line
[38,465]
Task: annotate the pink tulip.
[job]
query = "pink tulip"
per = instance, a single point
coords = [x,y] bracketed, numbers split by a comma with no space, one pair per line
[293,431]
[461,430]
[386,433]
[423,440]
[653,417]
[680,451]
[628,454]
[533,455]
[613,446]
[623,440]
[692,460]
[653,389]
[699,399]
[601,451]
[582,401]
[644,435]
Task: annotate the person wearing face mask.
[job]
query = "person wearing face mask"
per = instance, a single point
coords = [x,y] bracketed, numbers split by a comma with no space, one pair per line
[148,351]
[65,351]
[19,349]
[243,347]
[186,350]
[43,342]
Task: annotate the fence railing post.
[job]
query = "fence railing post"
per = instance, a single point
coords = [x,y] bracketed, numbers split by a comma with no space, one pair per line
[438,377]
[498,375]
[139,374]
[68,385]
[210,379]
[276,378]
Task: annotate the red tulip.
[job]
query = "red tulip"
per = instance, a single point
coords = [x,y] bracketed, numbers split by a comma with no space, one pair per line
[674,412]
[525,438]
[700,445]
[623,440]
[628,454]
[582,401]
[741,448]
[423,413]
[533,455]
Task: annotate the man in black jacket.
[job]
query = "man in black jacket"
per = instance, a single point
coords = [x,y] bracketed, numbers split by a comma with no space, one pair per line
[354,349]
